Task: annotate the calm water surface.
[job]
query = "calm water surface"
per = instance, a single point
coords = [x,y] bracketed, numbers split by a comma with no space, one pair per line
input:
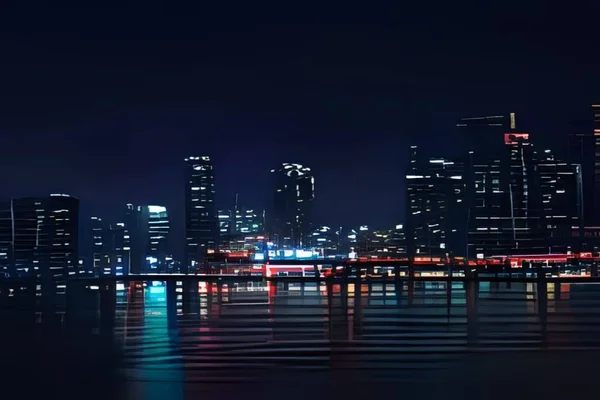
[305,340]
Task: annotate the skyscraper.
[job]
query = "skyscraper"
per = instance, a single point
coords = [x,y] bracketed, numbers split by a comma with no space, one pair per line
[45,237]
[201,223]
[561,196]
[158,228]
[596,190]
[291,216]
[436,212]
[100,247]
[111,250]
[226,222]
[140,244]
[238,222]
[6,248]
[120,249]
[581,151]
[506,201]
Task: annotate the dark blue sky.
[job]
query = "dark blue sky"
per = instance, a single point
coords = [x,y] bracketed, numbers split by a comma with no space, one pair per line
[105,103]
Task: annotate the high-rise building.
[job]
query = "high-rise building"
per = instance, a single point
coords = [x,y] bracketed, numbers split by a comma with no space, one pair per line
[119,241]
[241,229]
[157,252]
[140,244]
[329,241]
[100,247]
[45,237]
[596,190]
[226,222]
[248,220]
[201,222]
[505,201]
[291,216]
[111,249]
[562,192]
[6,248]
[581,151]
[436,210]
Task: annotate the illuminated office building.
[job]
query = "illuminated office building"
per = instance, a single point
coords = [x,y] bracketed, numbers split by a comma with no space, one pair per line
[505,201]
[144,234]
[157,254]
[120,249]
[328,241]
[383,243]
[240,221]
[201,222]
[561,195]
[45,237]
[436,209]
[248,221]
[111,248]
[226,222]
[241,229]
[100,247]
[596,189]
[291,216]
[524,192]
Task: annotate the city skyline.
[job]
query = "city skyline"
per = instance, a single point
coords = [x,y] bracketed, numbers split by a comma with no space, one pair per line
[240,199]
[509,196]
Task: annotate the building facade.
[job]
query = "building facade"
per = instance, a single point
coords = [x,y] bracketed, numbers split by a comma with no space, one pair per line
[562,201]
[6,246]
[436,210]
[505,214]
[291,214]
[45,237]
[201,222]
[157,256]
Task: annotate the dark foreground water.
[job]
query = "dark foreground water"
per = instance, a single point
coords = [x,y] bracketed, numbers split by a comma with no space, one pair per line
[305,342]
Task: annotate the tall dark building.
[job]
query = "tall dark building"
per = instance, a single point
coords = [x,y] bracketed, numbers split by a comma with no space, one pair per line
[490,229]
[140,244]
[201,223]
[596,211]
[100,247]
[581,151]
[6,247]
[45,237]
[436,210]
[507,212]
[291,216]
[562,192]
[158,227]
[112,252]
[120,249]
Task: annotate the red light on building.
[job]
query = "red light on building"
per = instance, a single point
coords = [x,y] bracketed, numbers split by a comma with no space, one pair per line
[514,138]
[585,255]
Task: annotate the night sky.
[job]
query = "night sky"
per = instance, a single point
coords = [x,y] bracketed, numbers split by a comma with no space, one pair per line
[104,104]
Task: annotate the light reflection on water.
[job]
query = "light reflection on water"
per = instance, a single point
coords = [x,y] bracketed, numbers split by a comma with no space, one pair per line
[173,345]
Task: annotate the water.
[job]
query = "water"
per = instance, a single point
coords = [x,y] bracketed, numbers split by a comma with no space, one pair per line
[151,341]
